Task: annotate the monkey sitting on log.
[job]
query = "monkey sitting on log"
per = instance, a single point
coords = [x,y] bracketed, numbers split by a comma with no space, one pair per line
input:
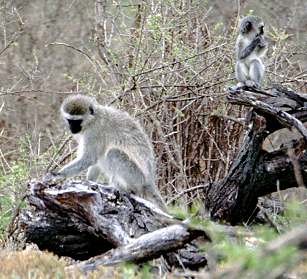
[111,142]
[251,47]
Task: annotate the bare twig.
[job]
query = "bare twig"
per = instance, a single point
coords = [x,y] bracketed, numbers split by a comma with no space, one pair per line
[16,37]
[179,62]
[286,119]
[60,149]
[186,191]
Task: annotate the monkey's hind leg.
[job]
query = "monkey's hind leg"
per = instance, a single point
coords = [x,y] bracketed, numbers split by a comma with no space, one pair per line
[241,72]
[126,175]
[256,71]
[122,171]
[93,173]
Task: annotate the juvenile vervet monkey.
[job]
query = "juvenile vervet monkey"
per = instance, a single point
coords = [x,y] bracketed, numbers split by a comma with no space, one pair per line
[251,47]
[112,142]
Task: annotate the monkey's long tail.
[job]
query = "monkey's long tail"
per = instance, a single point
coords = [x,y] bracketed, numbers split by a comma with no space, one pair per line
[156,197]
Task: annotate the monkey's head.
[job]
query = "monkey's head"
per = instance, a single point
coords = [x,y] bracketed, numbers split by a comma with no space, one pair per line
[78,112]
[251,26]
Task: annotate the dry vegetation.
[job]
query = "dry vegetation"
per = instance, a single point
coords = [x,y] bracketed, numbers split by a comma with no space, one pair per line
[36,264]
[166,62]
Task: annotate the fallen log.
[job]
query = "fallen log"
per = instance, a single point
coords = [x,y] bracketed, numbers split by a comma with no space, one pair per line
[82,219]
[256,172]
[146,247]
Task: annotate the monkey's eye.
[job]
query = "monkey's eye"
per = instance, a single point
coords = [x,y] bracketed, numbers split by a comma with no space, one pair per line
[261,31]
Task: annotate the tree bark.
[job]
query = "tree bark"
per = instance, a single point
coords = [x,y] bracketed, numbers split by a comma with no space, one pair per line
[255,172]
[85,219]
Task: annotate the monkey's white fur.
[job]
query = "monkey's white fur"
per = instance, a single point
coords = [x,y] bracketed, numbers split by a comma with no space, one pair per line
[112,142]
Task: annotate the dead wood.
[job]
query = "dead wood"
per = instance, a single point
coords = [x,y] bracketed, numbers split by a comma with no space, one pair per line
[82,219]
[146,247]
[255,172]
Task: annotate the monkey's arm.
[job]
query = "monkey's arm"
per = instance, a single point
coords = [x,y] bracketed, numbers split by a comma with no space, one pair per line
[262,42]
[243,53]
[82,162]
[262,46]
[76,166]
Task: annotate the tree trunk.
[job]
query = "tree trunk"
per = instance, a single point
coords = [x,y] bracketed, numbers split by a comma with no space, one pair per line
[255,172]
[85,219]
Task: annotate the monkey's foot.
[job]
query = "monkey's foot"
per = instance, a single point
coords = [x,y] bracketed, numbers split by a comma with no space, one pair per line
[236,87]
[52,178]
[252,84]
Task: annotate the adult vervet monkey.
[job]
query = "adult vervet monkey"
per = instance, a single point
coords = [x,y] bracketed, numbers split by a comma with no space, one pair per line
[112,142]
[251,48]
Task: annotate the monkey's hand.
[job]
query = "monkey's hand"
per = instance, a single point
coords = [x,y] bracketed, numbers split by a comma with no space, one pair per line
[261,41]
[250,48]
[53,177]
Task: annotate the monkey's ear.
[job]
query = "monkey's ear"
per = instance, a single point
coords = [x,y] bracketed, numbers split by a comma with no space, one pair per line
[91,109]
[246,27]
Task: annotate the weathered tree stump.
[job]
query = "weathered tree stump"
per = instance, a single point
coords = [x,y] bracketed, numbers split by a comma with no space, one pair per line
[82,219]
[256,172]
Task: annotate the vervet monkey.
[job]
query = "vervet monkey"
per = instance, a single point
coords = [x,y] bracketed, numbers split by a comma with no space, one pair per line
[112,142]
[251,47]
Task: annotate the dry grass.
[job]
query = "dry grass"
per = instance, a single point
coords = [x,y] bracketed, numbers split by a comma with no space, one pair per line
[43,265]
[30,264]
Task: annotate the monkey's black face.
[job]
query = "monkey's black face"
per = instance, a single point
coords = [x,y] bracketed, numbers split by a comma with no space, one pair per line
[75,125]
[246,27]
